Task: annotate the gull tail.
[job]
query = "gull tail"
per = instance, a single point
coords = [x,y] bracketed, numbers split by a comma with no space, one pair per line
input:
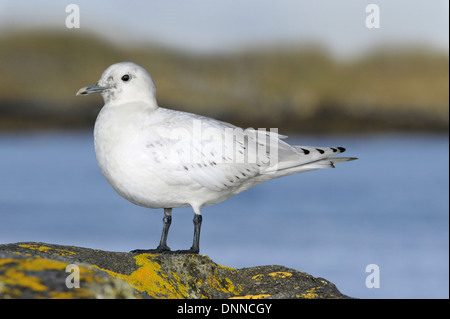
[329,162]
[320,157]
[307,158]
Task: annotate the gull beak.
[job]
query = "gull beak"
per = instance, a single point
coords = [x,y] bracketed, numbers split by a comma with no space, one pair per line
[91,89]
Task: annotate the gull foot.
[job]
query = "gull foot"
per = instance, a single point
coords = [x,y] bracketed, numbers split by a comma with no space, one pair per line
[186,251]
[158,250]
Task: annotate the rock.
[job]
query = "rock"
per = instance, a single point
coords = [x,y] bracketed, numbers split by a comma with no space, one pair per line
[39,270]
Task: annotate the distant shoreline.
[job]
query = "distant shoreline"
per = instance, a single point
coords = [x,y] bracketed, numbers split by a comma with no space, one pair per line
[332,123]
[294,89]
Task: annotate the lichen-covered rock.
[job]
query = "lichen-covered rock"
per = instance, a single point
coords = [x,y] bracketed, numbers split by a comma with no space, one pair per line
[35,277]
[38,270]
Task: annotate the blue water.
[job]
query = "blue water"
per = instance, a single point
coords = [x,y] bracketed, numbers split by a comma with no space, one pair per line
[389,208]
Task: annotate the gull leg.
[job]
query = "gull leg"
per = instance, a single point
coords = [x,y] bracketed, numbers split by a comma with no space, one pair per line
[167,220]
[196,242]
[162,247]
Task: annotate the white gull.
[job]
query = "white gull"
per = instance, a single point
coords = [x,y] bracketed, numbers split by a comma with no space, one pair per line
[161,158]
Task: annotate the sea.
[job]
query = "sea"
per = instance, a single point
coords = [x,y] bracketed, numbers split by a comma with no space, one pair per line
[377,227]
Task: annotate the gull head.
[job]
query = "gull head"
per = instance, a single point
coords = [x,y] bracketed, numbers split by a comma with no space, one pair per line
[122,83]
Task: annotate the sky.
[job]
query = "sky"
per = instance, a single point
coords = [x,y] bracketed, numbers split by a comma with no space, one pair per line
[220,26]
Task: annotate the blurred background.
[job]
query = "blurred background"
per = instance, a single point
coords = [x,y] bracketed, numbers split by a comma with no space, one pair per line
[314,70]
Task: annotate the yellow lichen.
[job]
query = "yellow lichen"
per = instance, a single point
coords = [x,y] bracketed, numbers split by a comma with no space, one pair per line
[147,278]
[13,277]
[258,277]
[159,283]
[71,294]
[151,277]
[310,294]
[15,274]
[19,274]
[225,267]
[251,296]
[49,250]
[215,281]
[280,274]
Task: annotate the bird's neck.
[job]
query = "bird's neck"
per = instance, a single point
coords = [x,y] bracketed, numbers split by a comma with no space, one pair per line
[148,103]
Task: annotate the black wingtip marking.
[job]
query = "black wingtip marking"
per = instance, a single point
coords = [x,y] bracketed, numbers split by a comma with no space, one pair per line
[342,149]
[334,149]
[305,151]
[320,150]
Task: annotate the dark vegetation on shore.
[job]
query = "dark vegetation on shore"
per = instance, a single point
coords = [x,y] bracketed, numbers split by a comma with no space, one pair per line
[300,89]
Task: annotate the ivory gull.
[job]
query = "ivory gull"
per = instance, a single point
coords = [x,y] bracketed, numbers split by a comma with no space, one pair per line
[161,158]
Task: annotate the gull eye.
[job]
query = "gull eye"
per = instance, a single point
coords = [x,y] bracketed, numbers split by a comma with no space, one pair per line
[125,78]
